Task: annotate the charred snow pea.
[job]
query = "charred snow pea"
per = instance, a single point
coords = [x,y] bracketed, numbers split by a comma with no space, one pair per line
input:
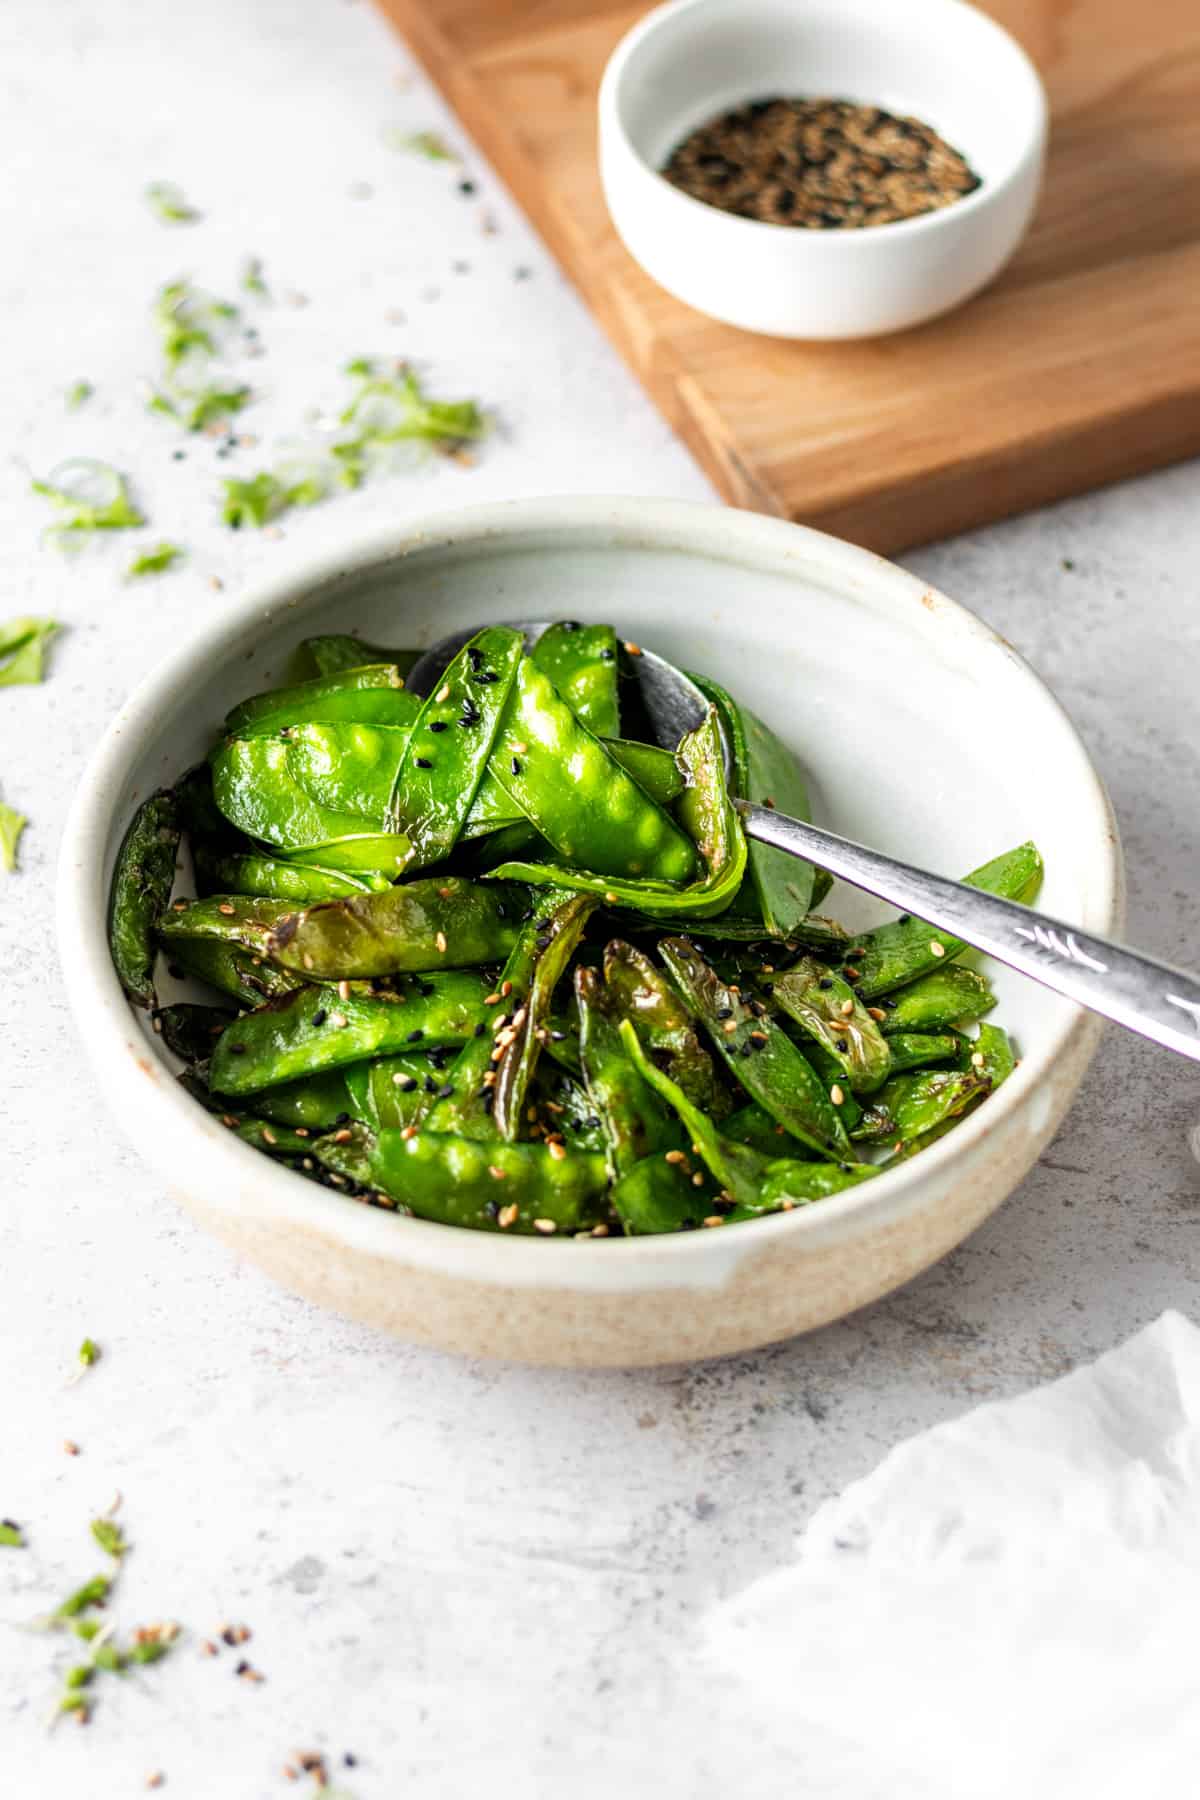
[445,923]
[336,651]
[636,990]
[766,773]
[560,930]
[256,791]
[247,921]
[990,1054]
[317,1103]
[190,1031]
[393,1091]
[752,1124]
[788,1185]
[637,1122]
[243,974]
[315,1029]
[892,955]
[440,769]
[945,997]
[828,1009]
[913,1049]
[271,878]
[909,1106]
[581,661]
[364,696]
[522,1188]
[656,1196]
[759,1054]
[141,888]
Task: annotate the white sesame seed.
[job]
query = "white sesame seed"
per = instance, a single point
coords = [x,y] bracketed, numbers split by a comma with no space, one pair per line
[546,1226]
[836,1095]
[977,1060]
[936,949]
[443,693]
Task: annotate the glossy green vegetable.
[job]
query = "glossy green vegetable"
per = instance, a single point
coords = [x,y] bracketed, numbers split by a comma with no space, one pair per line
[413,904]
[521,1188]
[893,955]
[141,888]
[946,997]
[314,1029]
[760,1055]
[443,923]
[827,1008]
[581,662]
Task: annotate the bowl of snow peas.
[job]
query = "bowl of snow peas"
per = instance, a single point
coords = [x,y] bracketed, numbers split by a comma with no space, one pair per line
[473,1012]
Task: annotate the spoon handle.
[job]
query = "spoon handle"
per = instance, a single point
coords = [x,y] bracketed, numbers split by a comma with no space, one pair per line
[1145,996]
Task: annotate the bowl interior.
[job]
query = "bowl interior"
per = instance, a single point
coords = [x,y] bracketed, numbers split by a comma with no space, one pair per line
[921,731]
[937,60]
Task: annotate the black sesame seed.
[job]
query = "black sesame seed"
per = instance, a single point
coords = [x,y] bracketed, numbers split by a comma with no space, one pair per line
[480,1029]
[407,1083]
[570,624]
[557,1036]
[841,1046]
[489,1100]
[414,1037]
[474,656]
[904,919]
[593,1122]
[487,675]
[608,655]
[320,1016]
[430,1085]
[824,984]
[178,455]
[466,189]
[438,725]
[724,1012]
[492,1208]
[515,765]
[237,1049]
[445,1091]
[422,762]
[343,1118]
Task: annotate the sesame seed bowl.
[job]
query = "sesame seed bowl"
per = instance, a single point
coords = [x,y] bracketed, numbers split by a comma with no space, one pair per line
[843,654]
[941,62]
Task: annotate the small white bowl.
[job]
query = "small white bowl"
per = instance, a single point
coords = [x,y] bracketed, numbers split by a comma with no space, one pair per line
[922,732]
[940,61]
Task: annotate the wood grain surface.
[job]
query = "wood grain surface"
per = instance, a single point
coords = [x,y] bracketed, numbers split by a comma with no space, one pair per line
[1078,366]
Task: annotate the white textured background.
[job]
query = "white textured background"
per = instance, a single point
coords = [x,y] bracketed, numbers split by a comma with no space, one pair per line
[476,1579]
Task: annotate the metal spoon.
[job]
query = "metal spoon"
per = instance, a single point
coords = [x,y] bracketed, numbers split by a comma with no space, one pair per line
[1149,997]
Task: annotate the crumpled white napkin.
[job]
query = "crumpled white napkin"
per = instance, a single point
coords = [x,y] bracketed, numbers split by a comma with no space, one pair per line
[1009,1606]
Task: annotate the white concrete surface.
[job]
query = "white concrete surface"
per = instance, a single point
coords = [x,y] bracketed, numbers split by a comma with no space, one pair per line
[473,1578]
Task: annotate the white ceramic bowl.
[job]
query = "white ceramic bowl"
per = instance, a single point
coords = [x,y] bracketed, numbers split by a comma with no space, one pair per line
[923,732]
[938,60]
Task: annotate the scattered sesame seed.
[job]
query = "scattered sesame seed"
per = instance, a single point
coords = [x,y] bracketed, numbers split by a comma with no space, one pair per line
[697,1179]
[521,749]
[497,1173]
[936,949]
[225,908]
[632,649]
[307,960]
[268,1136]
[508,1215]
[344,1136]
[546,1226]
[600,1230]
[155,1779]
[339,1021]
[610,899]
[836,1095]
[506,988]
[71,1447]
[729,1027]
[440,941]
[876,1012]
[443,693]
[674,1156]
[343,990]
[715,1219]
[557,1151]
[445,892]
[977,1060]
[847,1008]
[409,1131]
[422,762]
[320,1016]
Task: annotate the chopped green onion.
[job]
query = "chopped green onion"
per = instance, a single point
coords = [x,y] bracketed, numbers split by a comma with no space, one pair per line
[12,824]
[194,408]
[154,562]
[11,1535]
[23,644]
[93,1593]
[169,204]
[77,394]
[110,1537]
[89,1352]
[190,320]
[90,496]
[252,277]
[429,144]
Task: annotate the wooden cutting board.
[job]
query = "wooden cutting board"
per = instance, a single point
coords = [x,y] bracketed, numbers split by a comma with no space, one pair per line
[1080,365]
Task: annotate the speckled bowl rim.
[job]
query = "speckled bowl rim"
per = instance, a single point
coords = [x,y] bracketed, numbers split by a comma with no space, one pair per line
[190,1147]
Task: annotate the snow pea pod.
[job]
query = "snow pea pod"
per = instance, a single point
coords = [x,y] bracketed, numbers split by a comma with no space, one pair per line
[637,1123]
[189,1031]
[909,1106]
[581,661]
[788,1184]
[496,1186]
[472,1078]
[570,786]
[313,1029]
[636,990]
[451,742]
[714,825]
[913,1049]
[335,651]
[271,878]
[141,887]
[655,1196]
[366,696]
[752,1124]
[239,919]
[990,1054]
[395,1091]
[942,998]
[766,772]
[738,1170]
[445,923]
[828,1009]
[759,1054]
[316,1103]
[895,954]
[243,974]
[560,930]
[256,791]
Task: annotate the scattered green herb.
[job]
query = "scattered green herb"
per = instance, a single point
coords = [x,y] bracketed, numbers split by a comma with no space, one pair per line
[169,204]
[12,824]
[90,496]
[154,562]
[253,281]
[78,393]
[190,320]
[194,408]
[11,1535]
[110,1537]
[429,144]
[89,1352]
[23,650]
[93,1593]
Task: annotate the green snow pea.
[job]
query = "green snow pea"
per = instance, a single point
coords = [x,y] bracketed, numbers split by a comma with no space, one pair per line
[990,1054]
[635,989]
[766,772]
[560,1098]
[394,1091]
[314,1029]
[752,1124]
[256,791]
[581,661]
[787,1185]
[473,1077]
[366,696]
[908,1106]
[336,651]
[828,1009]
[759,1053]
[655,771]
[439,923]
[141,887]
[913,1049]
[655,1196]
[271,878]
[892,955]
[247,921]
[459,1182]
[190,1031]
[315,1103]
[984,1062]
[714,824]
[243,974]
[451,742]
[570,786]
[637,1123]
[560,931]
[936,1000]
[830,1075]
